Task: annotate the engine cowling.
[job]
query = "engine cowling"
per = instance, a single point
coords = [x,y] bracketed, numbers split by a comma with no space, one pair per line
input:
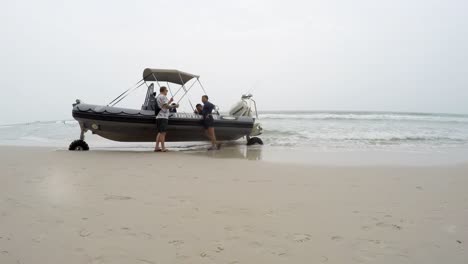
[241,108]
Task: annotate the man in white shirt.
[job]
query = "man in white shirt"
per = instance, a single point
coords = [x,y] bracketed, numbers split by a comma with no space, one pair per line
[162,118]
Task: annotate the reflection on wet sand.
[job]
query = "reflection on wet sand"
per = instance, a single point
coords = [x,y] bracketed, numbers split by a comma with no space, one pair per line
[233,152]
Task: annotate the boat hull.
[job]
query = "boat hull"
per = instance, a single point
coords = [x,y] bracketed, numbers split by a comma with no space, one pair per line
[129,125]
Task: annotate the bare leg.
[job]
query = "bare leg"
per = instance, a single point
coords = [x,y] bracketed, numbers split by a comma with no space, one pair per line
[163,140]
[212,136]
[158,138]
[210,133]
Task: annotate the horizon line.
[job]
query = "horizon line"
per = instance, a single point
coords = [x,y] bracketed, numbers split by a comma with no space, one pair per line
[285,111]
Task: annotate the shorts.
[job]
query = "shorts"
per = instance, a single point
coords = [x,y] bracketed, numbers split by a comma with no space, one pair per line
[161,125]
[208,121]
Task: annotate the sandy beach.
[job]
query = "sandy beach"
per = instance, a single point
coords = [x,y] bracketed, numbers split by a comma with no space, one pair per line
[140,207]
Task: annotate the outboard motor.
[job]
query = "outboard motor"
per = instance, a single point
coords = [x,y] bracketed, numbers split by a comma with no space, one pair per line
[244,108]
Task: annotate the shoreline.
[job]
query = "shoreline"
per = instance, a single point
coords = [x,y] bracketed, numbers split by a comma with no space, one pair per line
[300,157]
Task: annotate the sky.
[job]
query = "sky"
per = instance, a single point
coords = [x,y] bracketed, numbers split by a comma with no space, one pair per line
[357,55]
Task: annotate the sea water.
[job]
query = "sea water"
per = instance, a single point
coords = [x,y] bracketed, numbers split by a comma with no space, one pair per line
[365,130]
[293,134]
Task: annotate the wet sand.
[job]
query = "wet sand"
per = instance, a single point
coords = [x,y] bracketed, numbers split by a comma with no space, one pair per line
[144,207]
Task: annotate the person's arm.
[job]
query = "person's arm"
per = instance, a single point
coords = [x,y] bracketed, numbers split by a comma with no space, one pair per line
[167,105]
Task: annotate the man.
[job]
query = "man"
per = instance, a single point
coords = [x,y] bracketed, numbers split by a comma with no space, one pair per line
[208,121]
[198,109]
[162,118]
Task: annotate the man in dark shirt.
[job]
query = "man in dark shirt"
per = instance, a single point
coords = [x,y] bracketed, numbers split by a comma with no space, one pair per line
[208,121]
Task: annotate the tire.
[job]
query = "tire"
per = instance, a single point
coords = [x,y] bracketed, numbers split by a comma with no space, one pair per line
[78,145]
[254,140]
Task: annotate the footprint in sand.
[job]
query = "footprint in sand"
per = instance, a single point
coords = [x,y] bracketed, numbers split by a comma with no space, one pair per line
[255,244]
[228,228]
[176,242]
[382,224]
[84,233]
[301,238]
[147,235]
[117,197]
[372,241]
[146,261]
[270,213]
[336,238]
[219,249]
[365,227]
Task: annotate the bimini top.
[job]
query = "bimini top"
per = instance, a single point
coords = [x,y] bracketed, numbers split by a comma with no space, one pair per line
[165,75]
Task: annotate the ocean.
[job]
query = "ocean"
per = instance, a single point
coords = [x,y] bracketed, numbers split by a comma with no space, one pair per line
[365,130]
[292,132]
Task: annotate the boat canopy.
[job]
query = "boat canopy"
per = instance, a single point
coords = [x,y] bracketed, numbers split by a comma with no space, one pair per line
[162,75]
[165,75]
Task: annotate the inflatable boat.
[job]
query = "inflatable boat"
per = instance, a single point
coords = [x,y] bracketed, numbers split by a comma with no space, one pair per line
[139,125]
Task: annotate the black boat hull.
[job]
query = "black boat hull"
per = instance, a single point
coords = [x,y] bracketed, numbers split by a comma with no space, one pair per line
[129,125]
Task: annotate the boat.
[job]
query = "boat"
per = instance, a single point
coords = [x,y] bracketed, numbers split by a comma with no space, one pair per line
[139,125]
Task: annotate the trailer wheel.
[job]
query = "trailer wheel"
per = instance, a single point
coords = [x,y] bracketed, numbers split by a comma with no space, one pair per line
[78,145]
[254,140]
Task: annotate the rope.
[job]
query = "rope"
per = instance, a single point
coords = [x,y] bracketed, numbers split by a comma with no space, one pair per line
[125,92]
[128,93]
[118,113]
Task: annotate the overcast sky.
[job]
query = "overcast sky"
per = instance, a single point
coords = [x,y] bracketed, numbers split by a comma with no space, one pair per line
[394,55]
